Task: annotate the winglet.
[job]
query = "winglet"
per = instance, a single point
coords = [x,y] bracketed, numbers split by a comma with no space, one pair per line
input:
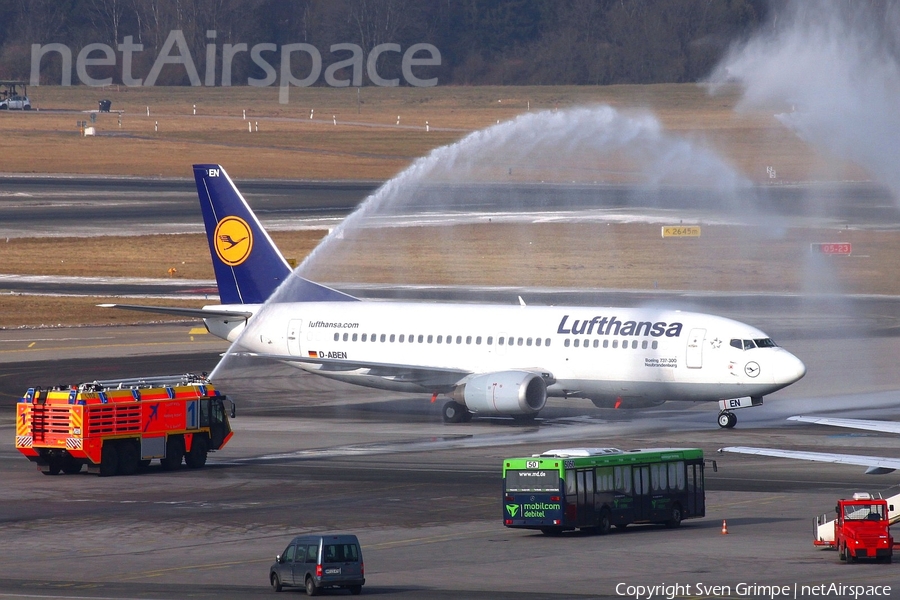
[247,263]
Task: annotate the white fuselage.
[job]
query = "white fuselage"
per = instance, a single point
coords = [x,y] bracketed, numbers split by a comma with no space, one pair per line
[605,354]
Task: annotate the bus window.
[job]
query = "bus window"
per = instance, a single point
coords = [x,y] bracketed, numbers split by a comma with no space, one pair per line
[622,477]
[570,483]
[605,479]
[676,475]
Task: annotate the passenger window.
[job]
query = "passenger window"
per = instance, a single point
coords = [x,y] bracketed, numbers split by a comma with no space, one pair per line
[606,343]
[478,341]
[364,336]
[459,339]
[528,342]
[346,336]
[654,345]
[312,553]
[373,337]
[337,336]
[354,337]
[392,338]
[537,342]
[411,338]
[644,345]
[490,340]
[615,343]
[440,339]
[382,338]
[288,555]
[596,343]
[402,337]
[577,341]
[634,345]
[430,339]
[468,339]
[500,341]
[566,343]
[421,338]
[547,342]
[520,341]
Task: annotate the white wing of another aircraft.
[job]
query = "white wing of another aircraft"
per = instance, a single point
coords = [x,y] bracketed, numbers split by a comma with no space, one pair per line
[877,465]
[882,426]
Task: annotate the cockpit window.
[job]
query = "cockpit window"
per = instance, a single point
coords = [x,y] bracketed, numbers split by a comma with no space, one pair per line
[751,344]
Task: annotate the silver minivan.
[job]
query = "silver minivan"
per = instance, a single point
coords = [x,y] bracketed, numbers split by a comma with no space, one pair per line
[316,562]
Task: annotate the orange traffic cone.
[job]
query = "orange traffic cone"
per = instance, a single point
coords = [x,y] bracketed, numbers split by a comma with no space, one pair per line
[724,527]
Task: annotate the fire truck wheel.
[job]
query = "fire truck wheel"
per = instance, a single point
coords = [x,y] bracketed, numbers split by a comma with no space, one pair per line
[129,458]
[109,460]
[196,458]
[71,466]
[52,468]
[174,453]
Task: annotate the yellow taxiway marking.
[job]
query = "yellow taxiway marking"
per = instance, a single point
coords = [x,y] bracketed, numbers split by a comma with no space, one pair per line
[145,344]
[32,344]
[198,331]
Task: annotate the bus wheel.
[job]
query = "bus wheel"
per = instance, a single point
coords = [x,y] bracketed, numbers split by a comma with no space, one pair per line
[453,412]
[675,520]
[356,590]
[311,589]
[603,525]
[196,458]
[109,460]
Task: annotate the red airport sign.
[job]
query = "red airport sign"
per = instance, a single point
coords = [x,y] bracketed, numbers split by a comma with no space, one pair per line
[835,248]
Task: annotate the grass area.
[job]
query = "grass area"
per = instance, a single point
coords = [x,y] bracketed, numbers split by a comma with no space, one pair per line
[366,143]
[624,256]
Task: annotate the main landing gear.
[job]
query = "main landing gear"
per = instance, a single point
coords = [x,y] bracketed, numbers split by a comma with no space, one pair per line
[454,412]
[727,419]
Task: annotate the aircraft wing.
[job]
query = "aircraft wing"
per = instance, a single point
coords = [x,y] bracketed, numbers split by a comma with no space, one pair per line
[432,378]
[882,426]
[877,465]
[183,312]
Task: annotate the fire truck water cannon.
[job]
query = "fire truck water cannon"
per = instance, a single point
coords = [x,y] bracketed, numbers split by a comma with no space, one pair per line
[119,427]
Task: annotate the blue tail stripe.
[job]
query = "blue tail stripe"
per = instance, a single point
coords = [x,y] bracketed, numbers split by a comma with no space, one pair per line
[247,264]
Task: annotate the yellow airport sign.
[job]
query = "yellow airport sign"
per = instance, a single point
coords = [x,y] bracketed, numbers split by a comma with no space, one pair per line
[681,231]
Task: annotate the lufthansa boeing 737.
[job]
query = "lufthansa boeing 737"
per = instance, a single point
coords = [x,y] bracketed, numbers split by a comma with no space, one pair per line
[487,359]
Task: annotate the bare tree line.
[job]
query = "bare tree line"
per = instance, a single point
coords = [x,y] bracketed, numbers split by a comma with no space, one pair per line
[509,42]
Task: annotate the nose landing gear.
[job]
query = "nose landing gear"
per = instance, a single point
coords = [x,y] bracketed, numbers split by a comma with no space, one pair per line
[727,419]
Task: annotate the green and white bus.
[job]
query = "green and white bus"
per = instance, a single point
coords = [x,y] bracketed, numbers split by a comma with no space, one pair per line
[594,488]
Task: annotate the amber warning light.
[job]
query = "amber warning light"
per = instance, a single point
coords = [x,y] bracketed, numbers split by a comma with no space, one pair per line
[837,249]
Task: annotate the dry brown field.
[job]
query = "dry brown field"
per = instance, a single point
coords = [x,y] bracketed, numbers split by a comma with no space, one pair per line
[367,144]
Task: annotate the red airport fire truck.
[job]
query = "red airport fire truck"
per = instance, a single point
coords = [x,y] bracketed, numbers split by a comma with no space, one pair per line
[861,529]
[119,427]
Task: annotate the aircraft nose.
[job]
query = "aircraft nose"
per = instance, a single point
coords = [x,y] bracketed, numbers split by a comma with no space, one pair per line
[790,369]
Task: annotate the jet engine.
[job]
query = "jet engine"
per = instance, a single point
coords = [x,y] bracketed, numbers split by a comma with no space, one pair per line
[503,393]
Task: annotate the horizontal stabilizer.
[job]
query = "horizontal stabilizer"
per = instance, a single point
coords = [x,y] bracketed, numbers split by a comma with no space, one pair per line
[201,313]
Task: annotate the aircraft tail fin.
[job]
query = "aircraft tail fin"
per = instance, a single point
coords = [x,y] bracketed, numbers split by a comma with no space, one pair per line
[247,263]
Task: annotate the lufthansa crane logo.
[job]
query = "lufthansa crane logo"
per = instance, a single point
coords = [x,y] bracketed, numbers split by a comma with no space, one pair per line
[233,241]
